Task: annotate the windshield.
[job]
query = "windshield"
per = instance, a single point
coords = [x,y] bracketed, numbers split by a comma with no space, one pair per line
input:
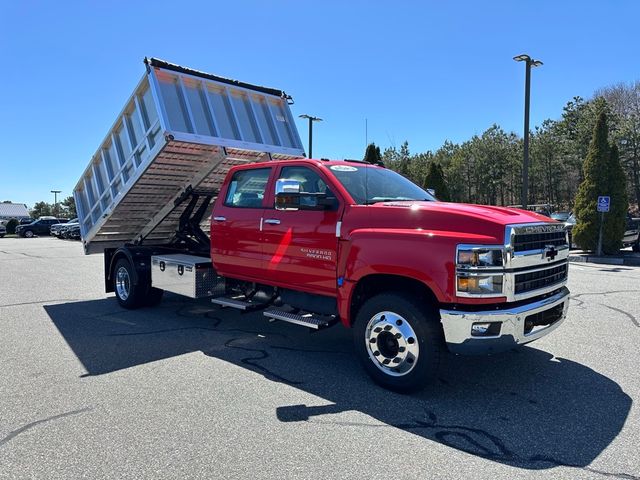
[369,185]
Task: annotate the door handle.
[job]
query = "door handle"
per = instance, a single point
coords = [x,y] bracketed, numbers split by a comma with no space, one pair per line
[272,221]
[220,219]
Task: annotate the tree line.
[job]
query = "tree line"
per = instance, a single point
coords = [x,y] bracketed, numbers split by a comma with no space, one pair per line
[66,208]
[487,168]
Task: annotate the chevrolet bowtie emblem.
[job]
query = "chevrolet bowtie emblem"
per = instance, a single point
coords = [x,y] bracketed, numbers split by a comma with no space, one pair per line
[549,252]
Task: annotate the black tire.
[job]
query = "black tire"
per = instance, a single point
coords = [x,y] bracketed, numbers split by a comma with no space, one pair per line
[28,234]
[423,327]
[153,297]
[129,296]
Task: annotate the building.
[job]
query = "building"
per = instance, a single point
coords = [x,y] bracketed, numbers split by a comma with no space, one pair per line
[13,210]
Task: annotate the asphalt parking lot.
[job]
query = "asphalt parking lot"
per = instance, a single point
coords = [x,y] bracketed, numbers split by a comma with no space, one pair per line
[188,390]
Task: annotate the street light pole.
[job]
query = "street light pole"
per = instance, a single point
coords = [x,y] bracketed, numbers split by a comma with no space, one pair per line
[55,201]
[311,120]
[529,62]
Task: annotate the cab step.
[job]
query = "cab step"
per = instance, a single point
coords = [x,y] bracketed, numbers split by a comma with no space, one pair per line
[240,303]
[306,320]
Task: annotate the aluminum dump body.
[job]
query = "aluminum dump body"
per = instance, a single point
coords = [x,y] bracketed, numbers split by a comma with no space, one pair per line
[180,130]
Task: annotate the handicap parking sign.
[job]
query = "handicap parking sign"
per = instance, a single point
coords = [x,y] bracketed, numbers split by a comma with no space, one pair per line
[603,203]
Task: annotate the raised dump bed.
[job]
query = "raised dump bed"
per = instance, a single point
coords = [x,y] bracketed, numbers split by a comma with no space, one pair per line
[180,131]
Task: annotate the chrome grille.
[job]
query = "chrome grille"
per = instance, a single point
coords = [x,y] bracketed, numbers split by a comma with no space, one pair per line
[528,281]
[538,241]
[535,259]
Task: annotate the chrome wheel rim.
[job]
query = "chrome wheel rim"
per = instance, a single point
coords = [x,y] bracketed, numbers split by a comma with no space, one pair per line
[28,234]
[123,283]
[392,344]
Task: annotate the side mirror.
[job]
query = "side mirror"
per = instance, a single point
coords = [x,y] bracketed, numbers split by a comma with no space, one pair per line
[284,185]
[290,197]
[287,194]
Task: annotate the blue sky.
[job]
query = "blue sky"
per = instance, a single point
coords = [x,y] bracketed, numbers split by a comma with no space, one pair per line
[421,71]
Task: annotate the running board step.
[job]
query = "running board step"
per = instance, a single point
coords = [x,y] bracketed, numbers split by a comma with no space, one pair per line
[307,320]
[238,303]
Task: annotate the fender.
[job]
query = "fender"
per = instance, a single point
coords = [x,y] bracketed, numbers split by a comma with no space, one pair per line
[139,257]
[426,256]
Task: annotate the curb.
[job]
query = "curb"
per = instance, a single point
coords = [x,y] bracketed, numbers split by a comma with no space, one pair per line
[629,261]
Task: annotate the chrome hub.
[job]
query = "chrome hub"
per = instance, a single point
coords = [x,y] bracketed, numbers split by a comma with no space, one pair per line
[123,283]
[391,343]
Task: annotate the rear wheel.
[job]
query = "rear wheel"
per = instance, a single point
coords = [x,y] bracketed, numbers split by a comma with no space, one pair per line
[128,294]
[399,341]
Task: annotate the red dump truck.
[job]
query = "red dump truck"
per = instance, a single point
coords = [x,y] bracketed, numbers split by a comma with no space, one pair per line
[201,188]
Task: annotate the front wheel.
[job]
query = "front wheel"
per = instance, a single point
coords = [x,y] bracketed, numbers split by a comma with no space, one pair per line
[28,234]
[399,341]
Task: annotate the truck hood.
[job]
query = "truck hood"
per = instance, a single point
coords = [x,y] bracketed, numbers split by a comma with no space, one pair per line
[475,221]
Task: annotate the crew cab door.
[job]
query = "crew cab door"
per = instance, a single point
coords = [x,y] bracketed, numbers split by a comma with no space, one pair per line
[300,246]
[236,239]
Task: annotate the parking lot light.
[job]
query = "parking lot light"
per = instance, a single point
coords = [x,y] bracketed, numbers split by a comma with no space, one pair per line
[529,62]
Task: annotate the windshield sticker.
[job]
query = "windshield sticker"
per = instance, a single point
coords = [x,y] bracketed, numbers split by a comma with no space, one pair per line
[343,168]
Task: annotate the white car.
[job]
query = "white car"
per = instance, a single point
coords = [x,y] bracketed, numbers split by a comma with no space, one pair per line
[57,228]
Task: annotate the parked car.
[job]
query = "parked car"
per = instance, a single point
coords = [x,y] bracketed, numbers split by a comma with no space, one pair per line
[73,232]
[569,223]
[631,236]
[41,226]
[561,216]
[70,230]
[541,208]
[3,230]
[56,228]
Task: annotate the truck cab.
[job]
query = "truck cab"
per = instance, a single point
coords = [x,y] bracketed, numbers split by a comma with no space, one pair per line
[346,234]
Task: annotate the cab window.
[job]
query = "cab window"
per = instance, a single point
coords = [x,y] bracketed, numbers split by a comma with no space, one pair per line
[310,182]
[247,188]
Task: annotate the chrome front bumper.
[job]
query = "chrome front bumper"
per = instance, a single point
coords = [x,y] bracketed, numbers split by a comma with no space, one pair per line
[457,326]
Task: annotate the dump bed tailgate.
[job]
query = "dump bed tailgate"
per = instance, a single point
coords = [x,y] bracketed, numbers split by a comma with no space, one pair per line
[181,130]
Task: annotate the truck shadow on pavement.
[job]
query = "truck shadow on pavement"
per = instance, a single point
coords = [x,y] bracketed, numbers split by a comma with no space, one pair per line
[524,408]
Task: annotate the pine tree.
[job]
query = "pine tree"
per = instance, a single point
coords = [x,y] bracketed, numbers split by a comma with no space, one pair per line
[70,204]
[603,175]
[405,159]
[435,180]
[372,154]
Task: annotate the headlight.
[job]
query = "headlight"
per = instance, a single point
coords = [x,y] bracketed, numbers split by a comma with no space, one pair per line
[479,270]
[480,284]
[480,256]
